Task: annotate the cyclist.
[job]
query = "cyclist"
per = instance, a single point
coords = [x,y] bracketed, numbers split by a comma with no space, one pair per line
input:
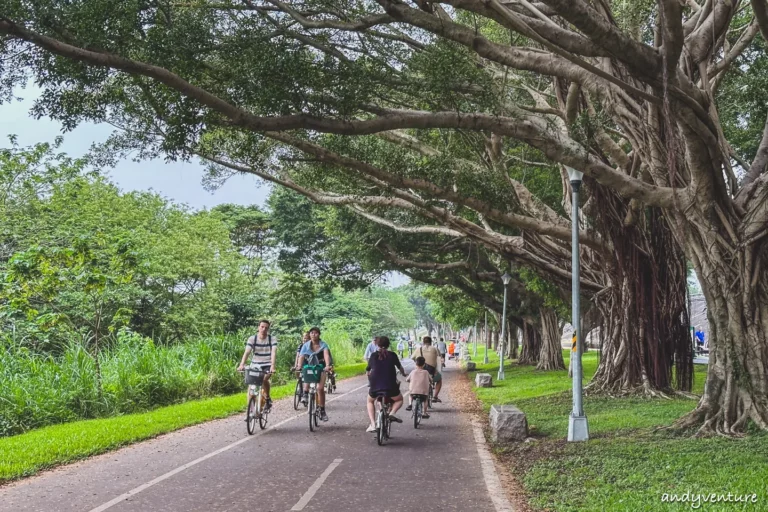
[431,358]
[419,380]
[451,349]
[370,349]
[264,349]
[315,351]
[382,374]
[304,339]
[442,349]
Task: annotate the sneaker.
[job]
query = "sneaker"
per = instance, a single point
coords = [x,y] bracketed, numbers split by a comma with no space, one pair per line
[395,419]
[409,408]
[425,416]
[269,404]
[371,428]
[323,416]
[436,400]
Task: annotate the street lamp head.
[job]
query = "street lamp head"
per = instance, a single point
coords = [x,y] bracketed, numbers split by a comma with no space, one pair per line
[573,174]
[506,278]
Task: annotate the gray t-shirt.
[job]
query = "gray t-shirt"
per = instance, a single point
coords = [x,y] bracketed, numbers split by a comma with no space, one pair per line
[261,349]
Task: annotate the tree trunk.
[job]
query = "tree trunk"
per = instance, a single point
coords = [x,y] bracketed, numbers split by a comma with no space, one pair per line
[644,329]
[735,285]
[531,346]
[512,342]
[551,353]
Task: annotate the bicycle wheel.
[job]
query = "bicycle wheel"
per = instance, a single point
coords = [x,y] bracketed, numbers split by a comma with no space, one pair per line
[328,386]
[312,412]
[381,431]
[262,414]
[297,395]
[429,397]
[251,422]
[388,423]
[416,413]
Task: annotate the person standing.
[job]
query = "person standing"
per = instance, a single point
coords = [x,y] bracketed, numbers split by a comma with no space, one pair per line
[263,348]
[400,348]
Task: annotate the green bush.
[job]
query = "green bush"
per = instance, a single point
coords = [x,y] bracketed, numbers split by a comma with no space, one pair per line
[136,375]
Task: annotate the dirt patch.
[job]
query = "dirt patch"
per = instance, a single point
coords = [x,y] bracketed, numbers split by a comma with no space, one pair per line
[468,403]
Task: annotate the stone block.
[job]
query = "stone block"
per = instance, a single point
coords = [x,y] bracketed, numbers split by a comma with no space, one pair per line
[483,380]
[508,423]
[470,366]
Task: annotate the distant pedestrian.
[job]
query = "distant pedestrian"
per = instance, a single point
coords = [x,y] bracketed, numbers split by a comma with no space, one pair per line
[400,348]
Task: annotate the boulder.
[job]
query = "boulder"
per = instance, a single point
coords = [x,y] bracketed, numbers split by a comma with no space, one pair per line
[470,366]
[508,423]
[483,380]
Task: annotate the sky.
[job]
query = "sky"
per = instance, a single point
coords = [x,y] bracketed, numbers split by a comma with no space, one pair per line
[178,181]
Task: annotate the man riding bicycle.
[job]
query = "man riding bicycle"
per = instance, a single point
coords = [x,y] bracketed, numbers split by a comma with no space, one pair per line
[442,349]
[316,351]
[264,349]
[431,356]
[382,374]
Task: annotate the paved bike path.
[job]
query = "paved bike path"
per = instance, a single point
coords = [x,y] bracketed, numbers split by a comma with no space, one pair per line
[435,466]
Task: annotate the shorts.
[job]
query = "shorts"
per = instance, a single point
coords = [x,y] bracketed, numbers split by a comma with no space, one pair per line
[431,369]
[437,377]
[391,393]
[265,367]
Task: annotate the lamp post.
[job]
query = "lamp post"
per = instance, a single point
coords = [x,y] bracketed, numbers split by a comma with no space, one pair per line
[485,332]
[578,430]
[505,279]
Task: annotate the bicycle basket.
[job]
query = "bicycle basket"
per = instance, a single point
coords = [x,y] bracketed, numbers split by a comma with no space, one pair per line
[254,376]
[311,373]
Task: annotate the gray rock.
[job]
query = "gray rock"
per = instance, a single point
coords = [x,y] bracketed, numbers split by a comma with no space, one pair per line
[470,366]
[508,423]
[483,380]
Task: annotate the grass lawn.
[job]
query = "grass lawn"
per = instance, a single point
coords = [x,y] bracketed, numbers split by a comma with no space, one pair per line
[627,465]
[28,453]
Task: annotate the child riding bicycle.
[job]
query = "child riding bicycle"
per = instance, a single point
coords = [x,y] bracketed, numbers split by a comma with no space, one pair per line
[419,380]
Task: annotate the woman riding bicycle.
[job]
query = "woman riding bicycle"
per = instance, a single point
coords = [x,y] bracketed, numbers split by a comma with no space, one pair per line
[382,374]
[315,351]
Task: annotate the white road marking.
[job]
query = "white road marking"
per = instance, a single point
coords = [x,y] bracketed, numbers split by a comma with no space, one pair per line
[316,486]
[143,487]
[492,483]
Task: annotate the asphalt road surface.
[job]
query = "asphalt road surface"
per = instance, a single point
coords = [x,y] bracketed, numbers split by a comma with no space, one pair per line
[338,468]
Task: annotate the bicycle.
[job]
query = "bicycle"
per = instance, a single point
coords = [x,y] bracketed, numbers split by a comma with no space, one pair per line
[330,383]
[298,393]
[417,409]
[431,394]
[257,410]
[383,421]
[311,374]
